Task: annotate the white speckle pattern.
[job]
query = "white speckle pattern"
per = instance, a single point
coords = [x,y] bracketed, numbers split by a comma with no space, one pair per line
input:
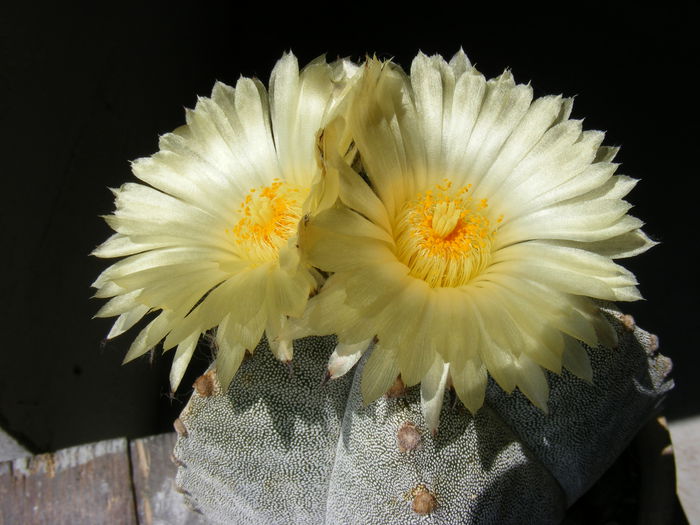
[475,466]
[288,450]
[263,453]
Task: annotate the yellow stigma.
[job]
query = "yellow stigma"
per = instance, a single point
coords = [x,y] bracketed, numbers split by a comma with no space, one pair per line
[444,236]
[268,217]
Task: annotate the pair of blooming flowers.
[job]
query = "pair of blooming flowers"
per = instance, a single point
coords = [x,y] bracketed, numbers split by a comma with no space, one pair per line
[450,223]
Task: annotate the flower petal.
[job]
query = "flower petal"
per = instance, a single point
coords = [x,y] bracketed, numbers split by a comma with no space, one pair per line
[183,354]
[432,391]
[345,356]
[380,372]
[470,383]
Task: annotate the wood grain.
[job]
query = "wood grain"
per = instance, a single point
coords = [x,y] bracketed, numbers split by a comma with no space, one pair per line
[111,482]
[89,484]
[153,471]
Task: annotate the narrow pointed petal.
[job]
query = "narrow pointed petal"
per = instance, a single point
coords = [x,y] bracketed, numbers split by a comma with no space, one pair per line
[345,356]
[229,355]
[576,361]
[183,354]
[378,375]
[470,384]
[432,390]
[282,349]
[532,382]
[150,336]
[127,320]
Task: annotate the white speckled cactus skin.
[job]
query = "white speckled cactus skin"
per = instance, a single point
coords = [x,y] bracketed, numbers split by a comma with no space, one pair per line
[286,449]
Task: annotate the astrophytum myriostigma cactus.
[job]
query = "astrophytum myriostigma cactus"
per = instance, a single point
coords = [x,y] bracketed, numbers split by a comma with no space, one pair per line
[282,446]
[447,233]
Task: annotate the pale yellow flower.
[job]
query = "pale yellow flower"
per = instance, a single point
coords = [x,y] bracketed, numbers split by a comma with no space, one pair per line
[210,239]
[480,226]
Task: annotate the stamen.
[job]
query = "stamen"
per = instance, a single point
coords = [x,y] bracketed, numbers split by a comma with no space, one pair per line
[268,217]
[444,236]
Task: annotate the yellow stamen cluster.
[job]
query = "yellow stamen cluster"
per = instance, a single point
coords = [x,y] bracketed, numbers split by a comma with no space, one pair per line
[268,217]
[444,236]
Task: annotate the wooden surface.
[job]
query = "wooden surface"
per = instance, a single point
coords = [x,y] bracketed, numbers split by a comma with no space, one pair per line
[111,482]
[685,434]
[153,473]
[10,448]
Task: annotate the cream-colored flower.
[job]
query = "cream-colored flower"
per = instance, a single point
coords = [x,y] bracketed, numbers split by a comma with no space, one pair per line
[212,240]
[480,227]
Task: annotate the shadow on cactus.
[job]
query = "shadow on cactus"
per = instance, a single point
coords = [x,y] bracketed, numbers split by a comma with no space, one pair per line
[421,265]
[342,461]
[287,395]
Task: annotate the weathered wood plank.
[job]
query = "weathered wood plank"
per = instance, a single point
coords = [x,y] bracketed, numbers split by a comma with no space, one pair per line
[157,499]
[89,484]
[10,449]
[685,434]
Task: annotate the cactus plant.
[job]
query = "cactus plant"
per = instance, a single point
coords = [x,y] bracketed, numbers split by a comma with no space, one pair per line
[451,232]
[283,446]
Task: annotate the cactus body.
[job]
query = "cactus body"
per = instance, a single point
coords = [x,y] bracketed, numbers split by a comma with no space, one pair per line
[280,447]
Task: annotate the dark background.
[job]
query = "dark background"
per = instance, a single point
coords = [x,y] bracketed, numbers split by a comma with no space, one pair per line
[82,92]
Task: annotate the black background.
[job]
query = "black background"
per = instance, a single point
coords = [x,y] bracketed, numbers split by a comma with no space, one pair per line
[85,90]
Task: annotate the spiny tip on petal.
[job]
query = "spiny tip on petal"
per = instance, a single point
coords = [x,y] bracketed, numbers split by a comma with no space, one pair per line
[282,349]
[398,389]
[290,368]
[326,378]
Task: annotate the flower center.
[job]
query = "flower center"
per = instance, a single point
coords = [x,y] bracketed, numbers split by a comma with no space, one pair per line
[268,217]
[444,236]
